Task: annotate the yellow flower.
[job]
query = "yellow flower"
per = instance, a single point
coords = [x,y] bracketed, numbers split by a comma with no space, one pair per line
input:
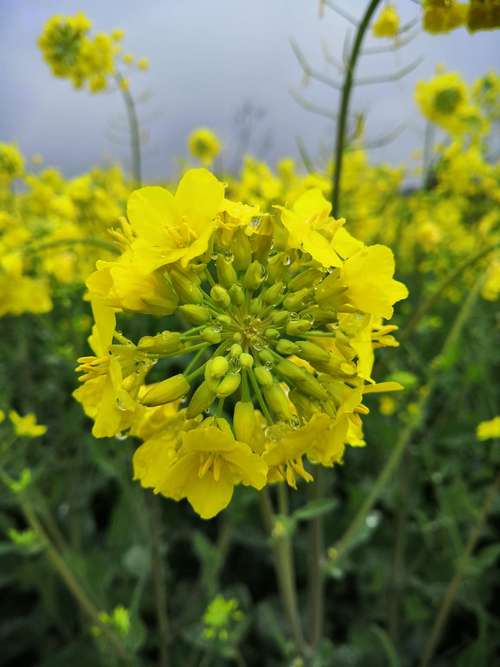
[387,23]
[368,275]
[143,64]
[311,228]
[11,162]
[489,430]
[205,469]
[204,145]
[171,228]
[26,427]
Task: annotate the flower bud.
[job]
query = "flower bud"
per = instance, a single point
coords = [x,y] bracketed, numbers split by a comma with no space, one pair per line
[272,333]
[277,401]
[256,306]
[211,335]
[246,360]
[290,371]
[242,250]
[287,347]
[200,401]
[254,275]
[264,376]
[186,286]
[304,279]
[279,316]
[244,421]
[167,342]
[312,352]
[220,295]
[226,274]
[272,295]
[266,357]
[165,391]
[276,268]
[237,295]
[195,314]
[215,370]
[229,385]
[309,385]
[236,350]
[297,327]
[297,299]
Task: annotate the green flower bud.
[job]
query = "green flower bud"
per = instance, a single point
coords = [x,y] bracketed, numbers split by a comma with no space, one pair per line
[167,342]
[276,268]
[297,299]
[286,347]
[211,335]
[235,350]
[246,360]
[165,391]
[266,356]
[312,352]
[224,319]
[215,370]
[309,385]
[220,295]
[272,295]
[330,288]
[242,250]
[200,401]
[280,317]
[272,333]
[254,275]
[256,306]
[277,401]
[304,279]
[290,371]
[229,385]
[244,421]
[237,295]
[226,274]
[195,314]
[297,327]
[264,376]
[186,286]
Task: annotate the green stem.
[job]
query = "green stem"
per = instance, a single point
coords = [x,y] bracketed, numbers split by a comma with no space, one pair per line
[159,586]
[133,124]
[427,155]
[344,104]
[258,394]
[406,435]
[316,580]
[283,565]
[454,584]
[73,584]
[35,248]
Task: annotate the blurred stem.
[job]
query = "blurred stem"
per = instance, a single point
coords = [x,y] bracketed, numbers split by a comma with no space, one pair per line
[283,564]
[344,103]
[133,124]
[433,298]
[73,584]
[316,580]
[35,248]
[406,435]
[427,154]
[158,575]
[454,584]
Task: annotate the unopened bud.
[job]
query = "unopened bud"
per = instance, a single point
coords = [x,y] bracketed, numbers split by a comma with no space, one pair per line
[194,314]
[237,295]
[254,275]
[290,371]
[246,360]
[235,350]
[220,295]
[297,327]
[312,352]
[165,391]
[186,286]
[200,401]
[279,316]
[297,299]
[244,421]
[211,335]
[266,356]
[276,268]
[242,250]
[272,295]
[272,333]
[229,385]
[256,306]
[287,347]
[277,401]
[215,370]
[304,279]
[264,376]
[226,274]
[167,342]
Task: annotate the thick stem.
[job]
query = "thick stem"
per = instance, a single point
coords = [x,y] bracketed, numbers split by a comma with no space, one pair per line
[159,585]
[283,565]
[454,584]
[344,104]
[133,124]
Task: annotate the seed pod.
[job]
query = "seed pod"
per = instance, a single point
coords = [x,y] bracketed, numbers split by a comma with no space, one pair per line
[264,376]
[186,286]
[254,275]
[165,391]
[237,295]
[167,342]
[228,385]
[200,401]
[277,401]
[226,274]
[194,314]
[220,295]
[297,327]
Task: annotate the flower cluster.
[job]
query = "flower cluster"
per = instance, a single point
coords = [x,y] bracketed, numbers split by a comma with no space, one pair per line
[387,23]
[274,321]
[72,53]
[441,16]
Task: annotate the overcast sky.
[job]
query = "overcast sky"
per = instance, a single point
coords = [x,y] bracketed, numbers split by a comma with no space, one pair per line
[208,58]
